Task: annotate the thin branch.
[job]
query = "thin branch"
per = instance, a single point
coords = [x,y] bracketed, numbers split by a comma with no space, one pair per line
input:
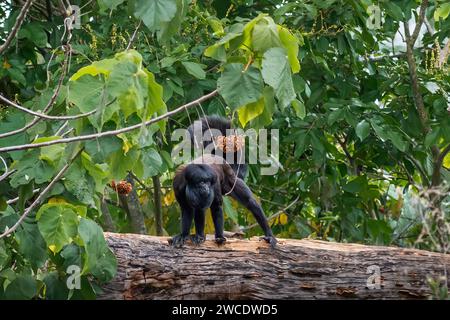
[16,27]
[41,196]
[6,174]
[421,17]
[274,215]
[44,116]
[133,36]
[112,132]
[14,200]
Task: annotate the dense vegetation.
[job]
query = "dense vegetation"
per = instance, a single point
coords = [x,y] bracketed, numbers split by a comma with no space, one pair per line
[361,103]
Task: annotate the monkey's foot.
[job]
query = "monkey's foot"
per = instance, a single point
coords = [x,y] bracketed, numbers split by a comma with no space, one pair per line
[197,239]
[271,240]
[178,241]
[220,240]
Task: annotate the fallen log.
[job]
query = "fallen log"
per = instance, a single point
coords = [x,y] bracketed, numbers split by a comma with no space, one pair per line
[148,268]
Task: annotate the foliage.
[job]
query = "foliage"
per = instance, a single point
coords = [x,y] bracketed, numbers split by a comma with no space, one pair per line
[354,146]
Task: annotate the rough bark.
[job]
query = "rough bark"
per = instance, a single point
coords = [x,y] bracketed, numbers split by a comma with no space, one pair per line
[157,194]
[249,269]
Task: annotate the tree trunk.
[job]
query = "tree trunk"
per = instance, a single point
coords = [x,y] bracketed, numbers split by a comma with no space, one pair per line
[249,269]
[158,208]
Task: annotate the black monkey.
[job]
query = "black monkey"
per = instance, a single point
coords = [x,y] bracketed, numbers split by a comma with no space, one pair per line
[201,185]
[222,124]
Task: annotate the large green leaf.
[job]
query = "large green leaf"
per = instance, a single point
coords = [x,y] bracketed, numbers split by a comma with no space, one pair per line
[152,162]
[276,72]
[265,35]
[58,224]
[194,69]
[32,244]
[290,43]
[363,130]
[100,261]
[154,12]
[23,287]
[250,111]
[239,87]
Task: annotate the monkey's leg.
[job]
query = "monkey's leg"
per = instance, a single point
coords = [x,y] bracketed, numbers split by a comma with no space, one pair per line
[199,220]
[186,222]
[217,216]
[244,195]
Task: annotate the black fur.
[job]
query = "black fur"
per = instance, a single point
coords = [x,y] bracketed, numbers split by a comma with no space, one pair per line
[201,185]
[222,124]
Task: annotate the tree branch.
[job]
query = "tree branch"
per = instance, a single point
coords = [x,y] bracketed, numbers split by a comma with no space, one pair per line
[16,27]
[44,116]
[41,195]
[421,17]
[112,132]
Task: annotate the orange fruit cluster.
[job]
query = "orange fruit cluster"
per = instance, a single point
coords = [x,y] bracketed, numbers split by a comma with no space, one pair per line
[122,187]
[232,143]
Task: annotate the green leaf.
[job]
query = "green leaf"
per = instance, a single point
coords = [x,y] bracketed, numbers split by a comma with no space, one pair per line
[77,184]
[276,72]
[300,109]
[443,11]
[57,223]
[394,10]
[265,35]
[110,4]
[4,255]
[171,28]
[55,288]
[121,163]
[432,137]
[229,210]
[100,261]
[35,33]
[363,130]
[87,92]
[356,185]
[250,111]
[290,43]
[152,162]
[239,87]
[30,167]
[194,69]
[103,67]
[24,287]
[32,244]
[154,12]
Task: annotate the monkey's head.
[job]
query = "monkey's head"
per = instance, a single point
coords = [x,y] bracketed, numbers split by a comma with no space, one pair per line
[200,179]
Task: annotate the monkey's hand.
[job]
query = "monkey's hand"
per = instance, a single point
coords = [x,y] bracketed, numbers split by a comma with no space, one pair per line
[271,240]
[220,240]
[197,239]
[178,241]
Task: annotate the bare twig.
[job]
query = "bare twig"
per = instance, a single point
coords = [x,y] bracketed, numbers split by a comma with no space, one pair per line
[16,27]
[6,173]
[14,200]
[133,36]
[41,196]
[112,132]
[44,116]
